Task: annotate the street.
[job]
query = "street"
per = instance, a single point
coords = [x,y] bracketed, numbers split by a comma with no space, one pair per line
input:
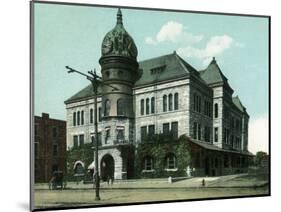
[149,190]
[68,198]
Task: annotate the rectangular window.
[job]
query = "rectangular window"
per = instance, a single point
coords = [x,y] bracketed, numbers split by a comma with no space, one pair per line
[55,150]
[227,136]
[237,125]
[91,116]
[207,134]
[224,135]
[78,118]
[75,141]
[120,135]
[143,133]
[171,162]
[81,140]
[232,140]
[82,117]
[199,131]
[93,139]
[100,114]
[176,101]
[216,132]
[151,130]
[55,132]
[216,110]
[148,164]
[74,118]
[175,129]
[107,135]
[195,130]
[166,128]
[207,108]
[194,102]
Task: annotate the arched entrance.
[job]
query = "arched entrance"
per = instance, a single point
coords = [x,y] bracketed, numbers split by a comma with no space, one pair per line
[107,167]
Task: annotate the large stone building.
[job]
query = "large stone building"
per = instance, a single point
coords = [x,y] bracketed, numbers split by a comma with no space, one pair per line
[161,95]
[49,147]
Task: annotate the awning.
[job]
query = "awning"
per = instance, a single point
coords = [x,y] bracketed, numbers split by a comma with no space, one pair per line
[208,146]
[92,165]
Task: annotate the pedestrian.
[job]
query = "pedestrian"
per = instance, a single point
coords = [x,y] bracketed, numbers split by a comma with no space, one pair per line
[203,182]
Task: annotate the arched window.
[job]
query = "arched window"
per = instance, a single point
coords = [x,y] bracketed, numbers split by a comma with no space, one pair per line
[91,116]
[147,105]
[216,110]
[164,103]
[170,160]
[79,169]
[176,101]
[170,102]
[82,117]
[120,107]
[74,118]
[142,106]
[152,105]
[78,118]
[148,163]
[106,107]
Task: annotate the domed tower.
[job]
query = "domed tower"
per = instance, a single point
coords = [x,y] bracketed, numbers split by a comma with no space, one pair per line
[119,68]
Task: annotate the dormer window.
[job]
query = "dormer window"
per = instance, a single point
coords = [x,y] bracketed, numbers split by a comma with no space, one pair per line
[157,70]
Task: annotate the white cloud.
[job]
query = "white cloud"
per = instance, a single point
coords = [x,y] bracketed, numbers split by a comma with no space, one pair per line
[173,32]
[150,40]
[215,46]
[169,32]
[258,134]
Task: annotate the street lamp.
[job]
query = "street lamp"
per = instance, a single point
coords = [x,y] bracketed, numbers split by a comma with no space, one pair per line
[95,81]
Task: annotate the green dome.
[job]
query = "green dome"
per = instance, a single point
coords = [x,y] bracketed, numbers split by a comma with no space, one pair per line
[118,42]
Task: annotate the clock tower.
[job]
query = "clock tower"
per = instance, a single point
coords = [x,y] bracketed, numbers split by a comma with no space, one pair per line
[119,68]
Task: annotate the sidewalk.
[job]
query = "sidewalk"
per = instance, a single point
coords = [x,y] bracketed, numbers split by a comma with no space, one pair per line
[239,180]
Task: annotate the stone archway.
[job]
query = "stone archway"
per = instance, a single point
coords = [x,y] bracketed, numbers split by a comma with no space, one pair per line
[107,167]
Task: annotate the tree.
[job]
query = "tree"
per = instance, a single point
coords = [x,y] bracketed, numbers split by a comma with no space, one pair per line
[259,157]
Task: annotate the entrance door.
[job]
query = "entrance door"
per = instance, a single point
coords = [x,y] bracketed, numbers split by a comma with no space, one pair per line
[107,167]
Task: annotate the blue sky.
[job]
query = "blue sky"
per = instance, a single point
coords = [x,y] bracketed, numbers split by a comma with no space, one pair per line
[72,35]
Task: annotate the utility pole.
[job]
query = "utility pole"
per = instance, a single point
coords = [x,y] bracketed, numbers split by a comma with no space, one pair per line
[95,81]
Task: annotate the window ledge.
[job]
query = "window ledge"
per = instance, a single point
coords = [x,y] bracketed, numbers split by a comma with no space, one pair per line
[148,171]
[171,170]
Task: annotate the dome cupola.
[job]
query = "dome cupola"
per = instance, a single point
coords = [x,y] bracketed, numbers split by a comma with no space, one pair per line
[118,42]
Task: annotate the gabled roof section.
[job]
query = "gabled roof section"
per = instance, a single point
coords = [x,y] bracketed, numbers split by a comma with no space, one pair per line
[163,68]
[213,74]
[237,102]
[86,92]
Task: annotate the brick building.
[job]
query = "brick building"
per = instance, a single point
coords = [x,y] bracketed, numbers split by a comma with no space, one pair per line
[161,95]
[49,147]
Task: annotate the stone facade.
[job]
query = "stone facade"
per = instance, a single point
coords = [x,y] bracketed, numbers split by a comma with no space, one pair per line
[158,96]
